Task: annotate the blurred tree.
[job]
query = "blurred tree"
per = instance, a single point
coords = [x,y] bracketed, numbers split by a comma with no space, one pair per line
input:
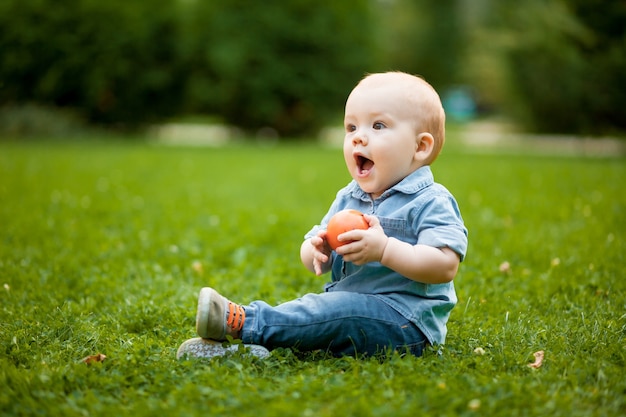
[283,65]
[566,63]
[557,65]
[605,57]
[425,38]
[115,61]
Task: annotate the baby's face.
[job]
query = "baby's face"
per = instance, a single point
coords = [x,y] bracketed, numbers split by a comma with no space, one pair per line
[381,138]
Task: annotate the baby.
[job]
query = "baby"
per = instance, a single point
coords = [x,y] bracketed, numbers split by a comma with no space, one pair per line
[391,286]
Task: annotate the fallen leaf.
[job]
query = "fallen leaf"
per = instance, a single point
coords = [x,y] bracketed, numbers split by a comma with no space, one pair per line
[538,359]
[479,351]
[474,404]
[197,267]
[94,358]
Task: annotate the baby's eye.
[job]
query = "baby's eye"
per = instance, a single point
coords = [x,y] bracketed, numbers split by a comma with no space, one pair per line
[350,128]
[378,125]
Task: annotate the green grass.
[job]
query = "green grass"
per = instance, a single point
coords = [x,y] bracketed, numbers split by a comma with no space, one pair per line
[103,248]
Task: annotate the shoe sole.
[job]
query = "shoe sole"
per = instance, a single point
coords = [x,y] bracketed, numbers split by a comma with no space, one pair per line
[206,349]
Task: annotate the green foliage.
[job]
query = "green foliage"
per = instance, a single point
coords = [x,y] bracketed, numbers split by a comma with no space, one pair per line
[425,38]
[103,248]
[287,66]
[115,61]
[566,61]
[284,65]
[33,120]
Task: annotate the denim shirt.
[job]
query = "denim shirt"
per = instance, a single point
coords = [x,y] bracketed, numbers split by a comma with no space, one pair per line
[416,210]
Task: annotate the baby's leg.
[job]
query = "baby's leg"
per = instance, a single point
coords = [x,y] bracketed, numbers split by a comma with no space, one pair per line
[344,323]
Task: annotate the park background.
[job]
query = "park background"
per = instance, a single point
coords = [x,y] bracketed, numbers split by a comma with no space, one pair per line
[112,217]
[284,69]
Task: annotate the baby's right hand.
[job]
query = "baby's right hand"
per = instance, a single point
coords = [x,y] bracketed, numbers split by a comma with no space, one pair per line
[321,252]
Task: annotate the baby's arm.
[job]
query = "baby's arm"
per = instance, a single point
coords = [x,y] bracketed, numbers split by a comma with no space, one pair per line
[315,254]
[420,263]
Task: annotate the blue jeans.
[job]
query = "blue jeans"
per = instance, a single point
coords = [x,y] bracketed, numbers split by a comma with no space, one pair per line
[341,322]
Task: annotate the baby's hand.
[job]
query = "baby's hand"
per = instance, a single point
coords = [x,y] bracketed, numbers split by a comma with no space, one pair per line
[367,245]
[321,252]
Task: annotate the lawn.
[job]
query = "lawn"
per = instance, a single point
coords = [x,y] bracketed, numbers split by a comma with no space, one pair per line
[104,246]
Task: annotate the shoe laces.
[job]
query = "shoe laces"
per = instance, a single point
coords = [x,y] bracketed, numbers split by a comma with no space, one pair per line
[236,316]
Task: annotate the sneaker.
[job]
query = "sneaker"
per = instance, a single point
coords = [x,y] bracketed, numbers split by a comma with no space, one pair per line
[218,317]
[205,348]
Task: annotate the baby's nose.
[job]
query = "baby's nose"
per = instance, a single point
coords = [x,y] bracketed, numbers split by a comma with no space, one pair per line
[359,138]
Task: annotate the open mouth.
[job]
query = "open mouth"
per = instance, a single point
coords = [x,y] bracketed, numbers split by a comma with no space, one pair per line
[363,164]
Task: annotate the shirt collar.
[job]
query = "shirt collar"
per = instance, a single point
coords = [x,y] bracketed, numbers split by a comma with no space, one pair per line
[411,184]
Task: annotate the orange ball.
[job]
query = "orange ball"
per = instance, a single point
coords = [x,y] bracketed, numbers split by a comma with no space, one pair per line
[342,222]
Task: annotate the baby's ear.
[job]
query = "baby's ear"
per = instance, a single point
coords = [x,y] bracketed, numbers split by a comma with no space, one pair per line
[424,145]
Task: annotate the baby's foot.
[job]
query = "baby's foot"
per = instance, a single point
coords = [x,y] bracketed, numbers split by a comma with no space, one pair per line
[205,348]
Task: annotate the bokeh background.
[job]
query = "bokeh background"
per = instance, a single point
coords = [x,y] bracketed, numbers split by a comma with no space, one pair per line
[285,67]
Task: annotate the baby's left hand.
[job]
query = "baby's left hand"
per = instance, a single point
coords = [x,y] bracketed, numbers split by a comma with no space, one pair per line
[367,245]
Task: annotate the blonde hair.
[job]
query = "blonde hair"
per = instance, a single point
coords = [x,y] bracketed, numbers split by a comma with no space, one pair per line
[428,110]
